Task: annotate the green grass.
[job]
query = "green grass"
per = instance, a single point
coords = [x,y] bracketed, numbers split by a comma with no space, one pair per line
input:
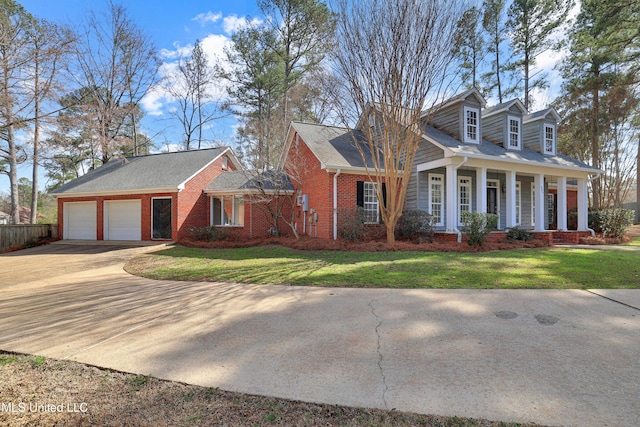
[548,268]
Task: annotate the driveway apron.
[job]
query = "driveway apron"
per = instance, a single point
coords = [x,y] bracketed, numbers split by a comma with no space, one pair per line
[552,357]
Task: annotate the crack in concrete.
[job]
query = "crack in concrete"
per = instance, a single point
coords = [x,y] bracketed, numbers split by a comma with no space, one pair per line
[380,357]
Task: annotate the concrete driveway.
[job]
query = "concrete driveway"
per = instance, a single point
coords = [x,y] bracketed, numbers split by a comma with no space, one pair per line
[551,357]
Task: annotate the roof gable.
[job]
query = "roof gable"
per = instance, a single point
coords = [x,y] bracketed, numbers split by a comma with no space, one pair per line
[165,171]
[334,147]
[505,107]
[473,92]
[542,115]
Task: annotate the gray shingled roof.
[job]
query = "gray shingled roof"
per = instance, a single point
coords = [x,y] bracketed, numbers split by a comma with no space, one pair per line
[242,181]
[333,146]
[487,148]
[156,171]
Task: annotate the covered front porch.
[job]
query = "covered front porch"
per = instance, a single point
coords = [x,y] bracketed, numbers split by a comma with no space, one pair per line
[526,195]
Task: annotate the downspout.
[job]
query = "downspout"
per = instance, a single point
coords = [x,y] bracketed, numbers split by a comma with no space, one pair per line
[335,204]
[456,169]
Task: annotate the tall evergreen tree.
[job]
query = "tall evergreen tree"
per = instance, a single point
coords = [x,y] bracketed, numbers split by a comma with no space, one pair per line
[472,47]
[530,25]
[603,58]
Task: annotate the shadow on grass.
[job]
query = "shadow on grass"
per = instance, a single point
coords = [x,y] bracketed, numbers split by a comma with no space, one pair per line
[520,268]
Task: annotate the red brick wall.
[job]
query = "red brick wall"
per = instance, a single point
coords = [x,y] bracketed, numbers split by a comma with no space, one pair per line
[318,185]
[145,211]
[190,207]
[194,209]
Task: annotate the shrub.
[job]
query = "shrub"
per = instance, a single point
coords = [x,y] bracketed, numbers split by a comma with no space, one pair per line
[209,233]
[351,223]
[416,225]
[614,222]
[595,220]
[519,234]
[476,226]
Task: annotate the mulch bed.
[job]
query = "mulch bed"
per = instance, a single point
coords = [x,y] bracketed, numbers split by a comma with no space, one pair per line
[314,244]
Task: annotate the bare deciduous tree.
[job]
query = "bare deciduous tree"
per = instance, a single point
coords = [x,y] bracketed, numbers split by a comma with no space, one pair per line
[393,56]
[191,86]
[118,64]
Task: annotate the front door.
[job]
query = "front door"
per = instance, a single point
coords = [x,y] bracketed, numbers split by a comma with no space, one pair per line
[493,202]
[161,218]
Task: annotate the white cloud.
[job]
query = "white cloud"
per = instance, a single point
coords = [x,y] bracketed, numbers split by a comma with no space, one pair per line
[233,23]
[204,18]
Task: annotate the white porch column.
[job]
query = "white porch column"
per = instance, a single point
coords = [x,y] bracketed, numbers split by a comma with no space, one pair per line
[539,201]
[452,190]
[511,198]
[583,205]
[562,203]
[481,190]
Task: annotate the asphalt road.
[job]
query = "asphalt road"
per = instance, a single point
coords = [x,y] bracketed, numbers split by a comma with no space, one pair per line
[565,357]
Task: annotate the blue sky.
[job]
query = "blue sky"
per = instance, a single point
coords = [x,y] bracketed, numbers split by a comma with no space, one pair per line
[174,26]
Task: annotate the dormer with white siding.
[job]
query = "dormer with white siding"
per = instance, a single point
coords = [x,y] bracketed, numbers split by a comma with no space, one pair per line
[502,124]
[540,131]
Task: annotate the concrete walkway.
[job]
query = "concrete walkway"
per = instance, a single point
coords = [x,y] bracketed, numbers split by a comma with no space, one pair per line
[551,357]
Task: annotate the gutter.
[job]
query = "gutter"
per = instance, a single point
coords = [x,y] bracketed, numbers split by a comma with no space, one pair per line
[335,204]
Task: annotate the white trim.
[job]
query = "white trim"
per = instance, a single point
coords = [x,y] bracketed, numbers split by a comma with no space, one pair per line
[182,185]
[374,189]
[533,204]
[554,139]
[469,205]
[430,197]
[518,120]
[233,210]
[507,107]
[518,202]
[117,193]
[466,125]
[151,221]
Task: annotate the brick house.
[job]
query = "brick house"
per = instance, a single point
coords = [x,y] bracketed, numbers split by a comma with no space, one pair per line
[500,160]
[153,197]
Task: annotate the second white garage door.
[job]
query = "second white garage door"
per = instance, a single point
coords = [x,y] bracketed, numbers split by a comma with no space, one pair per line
[122,220]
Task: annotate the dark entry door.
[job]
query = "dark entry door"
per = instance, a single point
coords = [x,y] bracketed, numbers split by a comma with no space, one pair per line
[492,200]
[161,227]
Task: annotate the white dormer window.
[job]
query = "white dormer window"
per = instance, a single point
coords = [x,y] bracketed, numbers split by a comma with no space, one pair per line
[513,126]
[471,125]
[549,139]
[372,120]
[225,163]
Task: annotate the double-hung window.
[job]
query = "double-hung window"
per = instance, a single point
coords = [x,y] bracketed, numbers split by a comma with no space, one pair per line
[514,137]
[227,210]
[549,139]
[436,198]
[370,203]
[464,196]
[471,125]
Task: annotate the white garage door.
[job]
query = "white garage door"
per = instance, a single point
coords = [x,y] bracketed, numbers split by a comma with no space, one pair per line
[122,220]
[80,220]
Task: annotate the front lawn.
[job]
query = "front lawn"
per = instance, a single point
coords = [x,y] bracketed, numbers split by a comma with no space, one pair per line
[548,268]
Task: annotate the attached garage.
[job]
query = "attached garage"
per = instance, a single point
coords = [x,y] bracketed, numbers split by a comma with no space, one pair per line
[80,220]
[122,220]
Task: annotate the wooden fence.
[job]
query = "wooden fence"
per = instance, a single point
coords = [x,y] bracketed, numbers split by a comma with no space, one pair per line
[17,235]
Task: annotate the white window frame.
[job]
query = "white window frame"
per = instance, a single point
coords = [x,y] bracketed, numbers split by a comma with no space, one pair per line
[518,203]
[233,210]
[533,204]
[545,139]
[464,182]
[439,179]
[467,125]
[510,133]
[370,202]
